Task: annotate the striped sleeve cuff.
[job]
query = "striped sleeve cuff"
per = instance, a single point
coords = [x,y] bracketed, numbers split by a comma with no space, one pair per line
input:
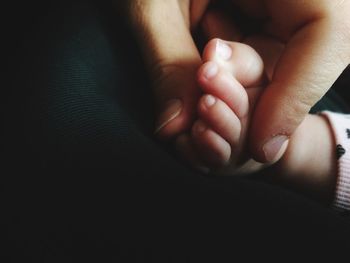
[340,124]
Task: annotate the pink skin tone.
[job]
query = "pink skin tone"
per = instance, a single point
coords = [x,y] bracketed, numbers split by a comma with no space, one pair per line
[231,78]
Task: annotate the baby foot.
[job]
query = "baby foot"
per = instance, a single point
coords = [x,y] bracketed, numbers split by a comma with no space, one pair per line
[231,79]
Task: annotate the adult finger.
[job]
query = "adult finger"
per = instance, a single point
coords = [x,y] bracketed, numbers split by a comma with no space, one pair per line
[162,28]
[312,61]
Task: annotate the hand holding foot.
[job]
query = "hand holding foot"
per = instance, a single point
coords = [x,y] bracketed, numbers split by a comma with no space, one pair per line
[232,78]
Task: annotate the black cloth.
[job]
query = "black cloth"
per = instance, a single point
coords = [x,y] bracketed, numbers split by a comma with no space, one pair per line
[84,179]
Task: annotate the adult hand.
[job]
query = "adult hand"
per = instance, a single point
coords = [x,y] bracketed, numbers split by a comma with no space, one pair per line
[316,34]
[316,38]
[163,31]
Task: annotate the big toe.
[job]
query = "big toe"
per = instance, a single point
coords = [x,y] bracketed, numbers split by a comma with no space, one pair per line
[241,60]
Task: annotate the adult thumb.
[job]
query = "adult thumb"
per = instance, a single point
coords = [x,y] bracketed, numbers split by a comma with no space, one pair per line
[312,61]
[163,32]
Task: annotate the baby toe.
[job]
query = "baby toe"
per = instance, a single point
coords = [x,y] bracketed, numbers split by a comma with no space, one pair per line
[221,84]
[211,147]
[241,60]
[220,118]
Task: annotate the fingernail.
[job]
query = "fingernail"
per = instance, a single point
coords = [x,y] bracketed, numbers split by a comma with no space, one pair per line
[200,127]
[173,109]
[209,101]
[223,50]
[210,70]
[272,149]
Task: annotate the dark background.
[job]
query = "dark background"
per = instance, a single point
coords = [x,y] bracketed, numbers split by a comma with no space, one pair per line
[78,204]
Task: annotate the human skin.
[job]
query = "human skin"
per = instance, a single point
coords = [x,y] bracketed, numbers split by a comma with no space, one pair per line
[316,35]
[231,79]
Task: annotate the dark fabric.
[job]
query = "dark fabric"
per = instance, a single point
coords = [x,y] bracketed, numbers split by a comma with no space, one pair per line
[84,179]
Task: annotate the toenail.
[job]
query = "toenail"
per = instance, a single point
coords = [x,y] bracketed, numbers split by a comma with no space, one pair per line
[210,70]
[209,101]
[200,127]
[223,50]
